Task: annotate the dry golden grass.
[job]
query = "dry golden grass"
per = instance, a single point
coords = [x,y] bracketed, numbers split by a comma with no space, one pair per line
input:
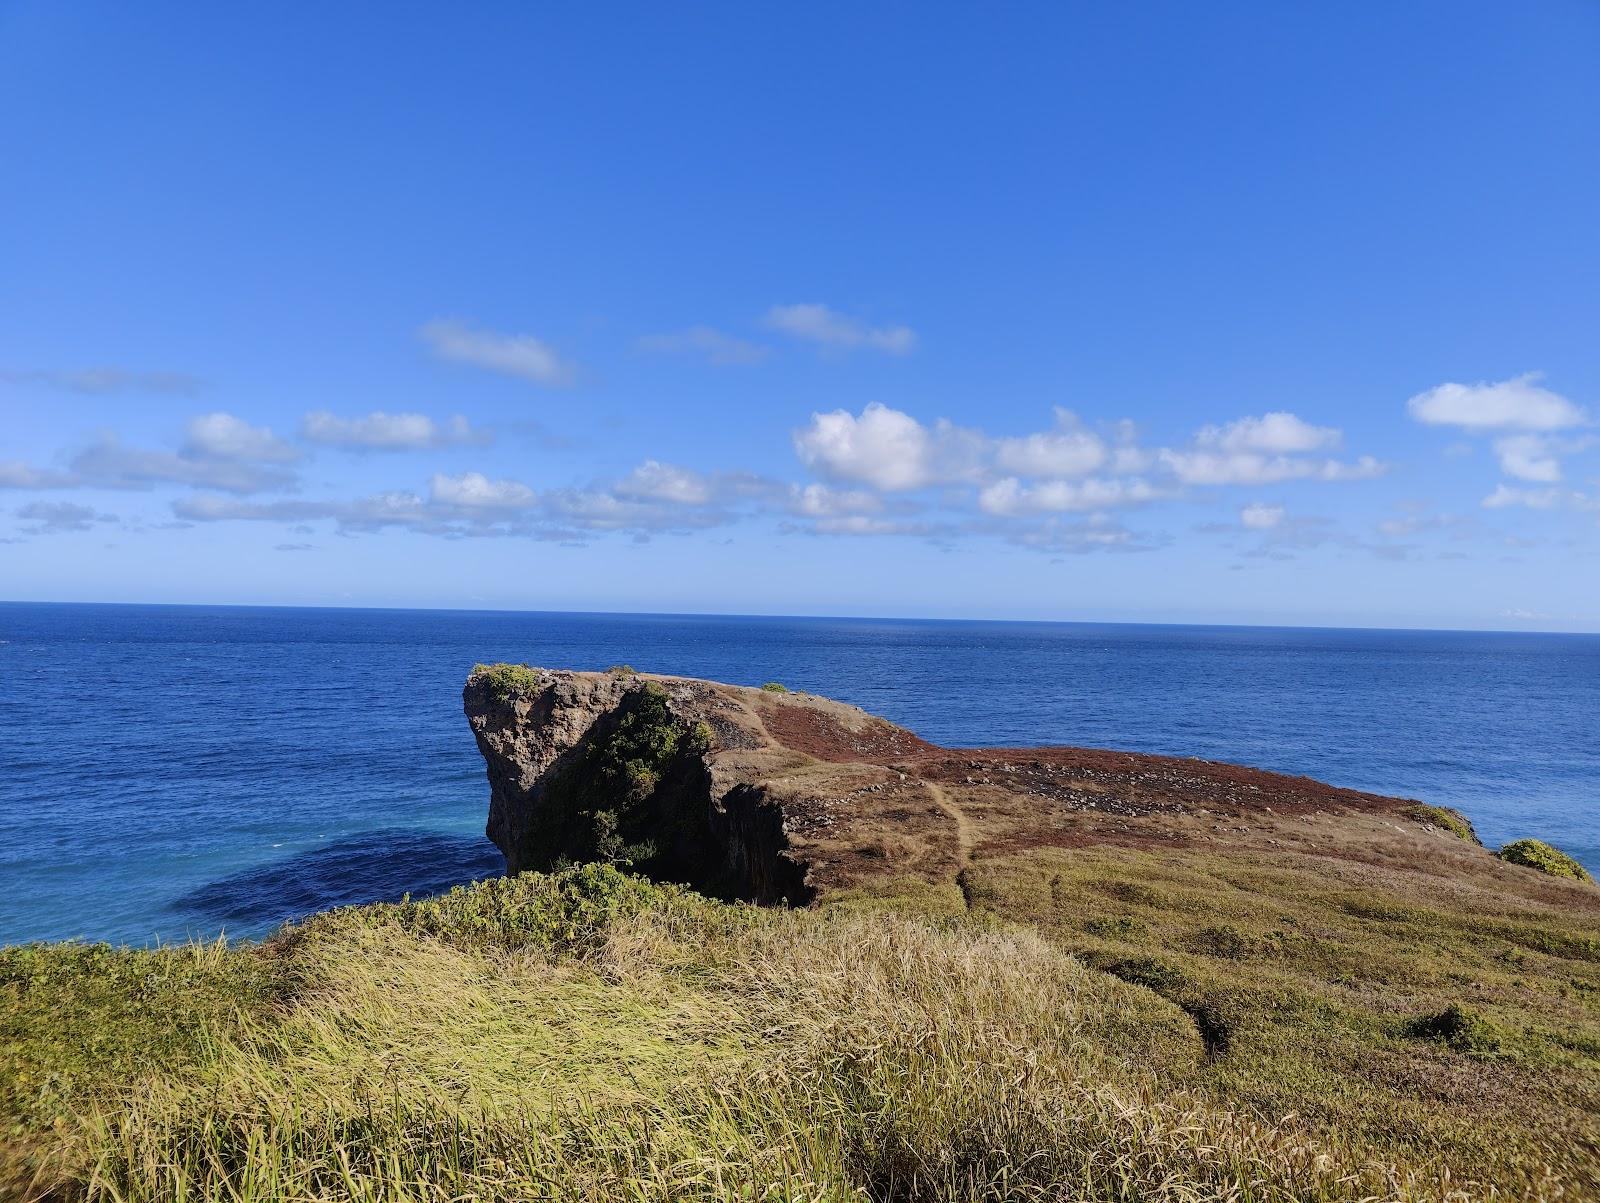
[587,1037]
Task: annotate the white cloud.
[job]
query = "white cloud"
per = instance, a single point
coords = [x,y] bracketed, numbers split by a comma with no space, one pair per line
[717,347]
[1365,468]
[1203,467]
[888,449]
[364,514]
[819,501]
[1515,404]
[61,517]
[1066,451]
[1011,496]
[819,324]
[655,481]
[1068,468]
[474,490]
[219,451]
[109,464]
[379,431]
[866,524]
[603,510]
[1276,433]
[1260,516]
[510,354]
[1505,496]
[1418,520]
[223,436]
[1528,457]
[14,474]
[1056,536]
[1263,451]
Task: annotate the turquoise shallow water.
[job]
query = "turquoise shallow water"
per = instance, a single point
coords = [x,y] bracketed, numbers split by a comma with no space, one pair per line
[168,771]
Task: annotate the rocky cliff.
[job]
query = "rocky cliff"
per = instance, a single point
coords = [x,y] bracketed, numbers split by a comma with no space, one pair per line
[779,797]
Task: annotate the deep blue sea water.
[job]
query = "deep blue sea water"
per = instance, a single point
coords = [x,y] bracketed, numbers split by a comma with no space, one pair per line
[168,771]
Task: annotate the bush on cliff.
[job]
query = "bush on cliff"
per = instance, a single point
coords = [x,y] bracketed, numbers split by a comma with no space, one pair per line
[554,913]
[625,799]
[506,681]
[1453,821]
[1536,854]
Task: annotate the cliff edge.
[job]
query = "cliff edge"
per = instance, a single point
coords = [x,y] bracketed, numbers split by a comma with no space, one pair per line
[779,797]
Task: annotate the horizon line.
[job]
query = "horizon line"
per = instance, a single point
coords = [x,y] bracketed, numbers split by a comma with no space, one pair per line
[1091,622]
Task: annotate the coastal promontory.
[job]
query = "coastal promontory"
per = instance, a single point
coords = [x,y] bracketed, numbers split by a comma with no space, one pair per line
[775,796]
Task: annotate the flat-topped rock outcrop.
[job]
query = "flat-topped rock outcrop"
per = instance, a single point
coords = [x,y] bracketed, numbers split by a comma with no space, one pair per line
[781,797]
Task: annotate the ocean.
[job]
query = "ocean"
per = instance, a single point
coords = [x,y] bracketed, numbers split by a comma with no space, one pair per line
[169,772]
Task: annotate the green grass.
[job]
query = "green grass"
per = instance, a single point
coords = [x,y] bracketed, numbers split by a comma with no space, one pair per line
[1536,854]
[76,1019]
[1312,983]
[1446,819]
[775,687]
[506,681]
[1461,1028]
[1106,1025]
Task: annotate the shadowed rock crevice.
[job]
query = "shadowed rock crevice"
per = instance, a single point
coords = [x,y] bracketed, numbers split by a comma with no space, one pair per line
[619,768]
[757,866]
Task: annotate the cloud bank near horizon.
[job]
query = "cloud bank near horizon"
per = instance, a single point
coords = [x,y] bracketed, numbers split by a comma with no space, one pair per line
[1068,487]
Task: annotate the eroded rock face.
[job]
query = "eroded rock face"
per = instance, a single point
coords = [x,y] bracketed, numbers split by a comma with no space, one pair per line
[641,769]
[783,797]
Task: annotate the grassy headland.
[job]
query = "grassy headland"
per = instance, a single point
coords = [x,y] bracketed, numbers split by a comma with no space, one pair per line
[1028,974]
[1100,1025]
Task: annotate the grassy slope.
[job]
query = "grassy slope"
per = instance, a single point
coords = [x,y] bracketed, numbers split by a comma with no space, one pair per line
[1099,1024]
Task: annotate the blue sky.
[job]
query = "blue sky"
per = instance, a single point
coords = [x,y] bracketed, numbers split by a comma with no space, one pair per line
[1252,313]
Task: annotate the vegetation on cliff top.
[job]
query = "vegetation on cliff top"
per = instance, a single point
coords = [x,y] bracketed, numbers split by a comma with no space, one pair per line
[1095,1023]
[506,681]
[1536,854]
[1453,821]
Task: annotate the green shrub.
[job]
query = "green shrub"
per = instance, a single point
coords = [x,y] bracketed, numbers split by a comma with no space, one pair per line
[1536,854]
[623,670]
[565,911]
[1453,821]
[506,681]
[627,797]
[775,687]
[1460,1028]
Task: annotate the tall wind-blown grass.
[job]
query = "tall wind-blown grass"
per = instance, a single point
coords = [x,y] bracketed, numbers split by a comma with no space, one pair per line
[674,1049]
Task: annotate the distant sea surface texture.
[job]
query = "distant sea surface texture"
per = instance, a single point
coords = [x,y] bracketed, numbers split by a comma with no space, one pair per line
[177,771]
